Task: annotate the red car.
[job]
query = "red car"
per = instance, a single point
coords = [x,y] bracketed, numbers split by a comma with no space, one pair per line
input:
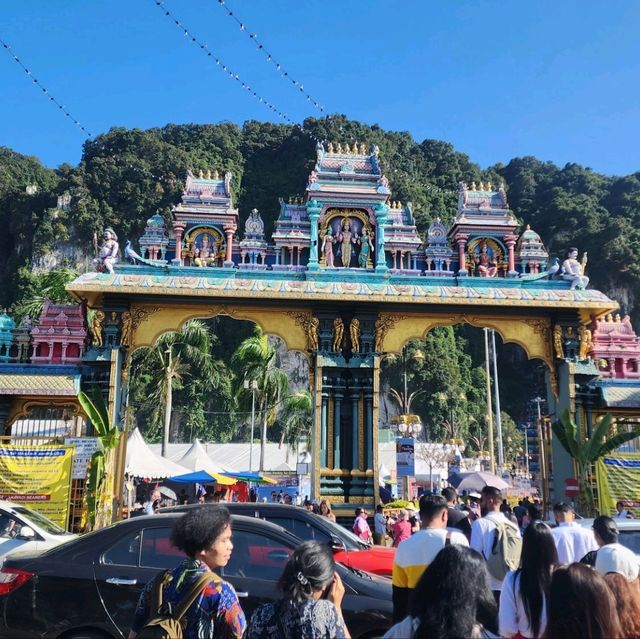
[348,548]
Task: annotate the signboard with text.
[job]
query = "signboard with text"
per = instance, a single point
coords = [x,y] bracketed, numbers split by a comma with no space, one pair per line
[38,477]
[405,457]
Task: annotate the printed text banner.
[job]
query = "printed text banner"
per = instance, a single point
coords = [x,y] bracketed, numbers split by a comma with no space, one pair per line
[38,477]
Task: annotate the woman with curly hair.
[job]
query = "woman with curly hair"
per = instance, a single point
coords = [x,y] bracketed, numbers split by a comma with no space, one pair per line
[204,535]
[312,595]
[627,596]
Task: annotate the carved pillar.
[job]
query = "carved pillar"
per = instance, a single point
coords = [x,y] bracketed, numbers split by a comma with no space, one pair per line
[229,231]
[510,241]
[354,396]
[461,241]
[323,425]
[313,210]
[368,413]
[381,212]
[612,366]
[291,257]
[178,229]
[337,415]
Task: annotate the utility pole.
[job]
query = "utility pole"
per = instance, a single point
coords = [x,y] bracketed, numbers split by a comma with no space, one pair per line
[492,458]
[496,390]
[253,384]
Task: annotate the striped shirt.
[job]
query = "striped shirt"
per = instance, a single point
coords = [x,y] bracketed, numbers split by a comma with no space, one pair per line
[413,557]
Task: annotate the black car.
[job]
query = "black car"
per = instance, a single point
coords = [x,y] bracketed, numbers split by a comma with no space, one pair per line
[89,587]
[348,548]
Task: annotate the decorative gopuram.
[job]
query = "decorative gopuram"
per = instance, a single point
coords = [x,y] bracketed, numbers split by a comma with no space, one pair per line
[205,222]
[347,279]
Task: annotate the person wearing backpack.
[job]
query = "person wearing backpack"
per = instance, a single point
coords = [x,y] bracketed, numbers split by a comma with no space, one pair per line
[496,538]
[191,601]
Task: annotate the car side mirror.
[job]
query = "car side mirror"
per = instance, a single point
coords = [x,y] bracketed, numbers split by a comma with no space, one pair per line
[337,545]
[26,532]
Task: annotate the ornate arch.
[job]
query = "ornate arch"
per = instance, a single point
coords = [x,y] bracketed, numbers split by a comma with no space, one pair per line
[149,321]
[532,333]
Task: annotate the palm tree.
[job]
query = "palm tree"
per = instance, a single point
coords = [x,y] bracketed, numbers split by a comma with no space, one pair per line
[296,418]
[51,286]
[586,452]
[175,356]
[255,360]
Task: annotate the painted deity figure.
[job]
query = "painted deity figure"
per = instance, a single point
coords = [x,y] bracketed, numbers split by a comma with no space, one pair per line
[573,271]
[485,264]
[346,239]
[365,249]
[354,334]
[327,247]
[109,251]
[338,333]
[96,328]
[557,341]
[314,330]
[585,342]
[205,254]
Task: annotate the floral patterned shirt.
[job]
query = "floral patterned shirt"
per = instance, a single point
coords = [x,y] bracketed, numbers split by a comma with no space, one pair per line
[306,620]
[215,613]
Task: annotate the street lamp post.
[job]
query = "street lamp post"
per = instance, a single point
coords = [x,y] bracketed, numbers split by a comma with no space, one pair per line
[542,454]
[253,385]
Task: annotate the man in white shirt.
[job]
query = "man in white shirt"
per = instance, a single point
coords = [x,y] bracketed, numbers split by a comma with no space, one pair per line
[572,541]
[414,554]
[483,529]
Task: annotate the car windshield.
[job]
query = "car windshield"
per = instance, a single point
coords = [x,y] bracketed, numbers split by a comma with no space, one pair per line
[40,520]
[351,541]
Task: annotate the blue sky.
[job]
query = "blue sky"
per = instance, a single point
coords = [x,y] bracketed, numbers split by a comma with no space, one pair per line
[557,80]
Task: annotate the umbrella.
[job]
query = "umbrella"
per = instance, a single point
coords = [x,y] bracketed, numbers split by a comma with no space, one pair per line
[477,481]
[256,478]
[167,492]
[202,477]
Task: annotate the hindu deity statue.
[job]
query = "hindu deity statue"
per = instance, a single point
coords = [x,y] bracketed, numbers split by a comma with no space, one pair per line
[205,254]
[354,334]
[573,270]
[365,249]
[485,264]
[346,239]
[109,251]
[338,333]
[327,247]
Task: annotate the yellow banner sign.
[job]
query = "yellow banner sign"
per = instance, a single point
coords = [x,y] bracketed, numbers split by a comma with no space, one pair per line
[619,480]
[39,477]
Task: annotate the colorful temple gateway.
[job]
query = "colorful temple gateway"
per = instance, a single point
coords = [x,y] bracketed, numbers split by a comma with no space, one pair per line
[346,278]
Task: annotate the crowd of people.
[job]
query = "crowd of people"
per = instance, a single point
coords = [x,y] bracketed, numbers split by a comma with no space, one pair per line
[513,576]
[504,577]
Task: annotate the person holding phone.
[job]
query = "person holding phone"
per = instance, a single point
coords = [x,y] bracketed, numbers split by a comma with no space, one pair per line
[312,597]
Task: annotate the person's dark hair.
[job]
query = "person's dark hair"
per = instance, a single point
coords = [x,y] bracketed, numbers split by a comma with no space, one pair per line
[627,598]
[491,491]
[453,595]
[537,560]
[534,511]
[199,528]
[449,493]
[606,529]
[562,507]
[311,567]
[581,605]
[431,506]
[379,508]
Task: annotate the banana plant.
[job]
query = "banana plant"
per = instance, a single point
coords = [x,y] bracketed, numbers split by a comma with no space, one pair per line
[108,436]
[585,452]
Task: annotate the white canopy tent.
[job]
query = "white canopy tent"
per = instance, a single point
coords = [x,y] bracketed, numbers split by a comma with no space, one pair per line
[143,462]
[196,458]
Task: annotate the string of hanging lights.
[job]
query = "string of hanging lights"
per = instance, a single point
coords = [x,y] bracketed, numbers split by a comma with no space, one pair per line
[218,62]
[253,37]
[44,89]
